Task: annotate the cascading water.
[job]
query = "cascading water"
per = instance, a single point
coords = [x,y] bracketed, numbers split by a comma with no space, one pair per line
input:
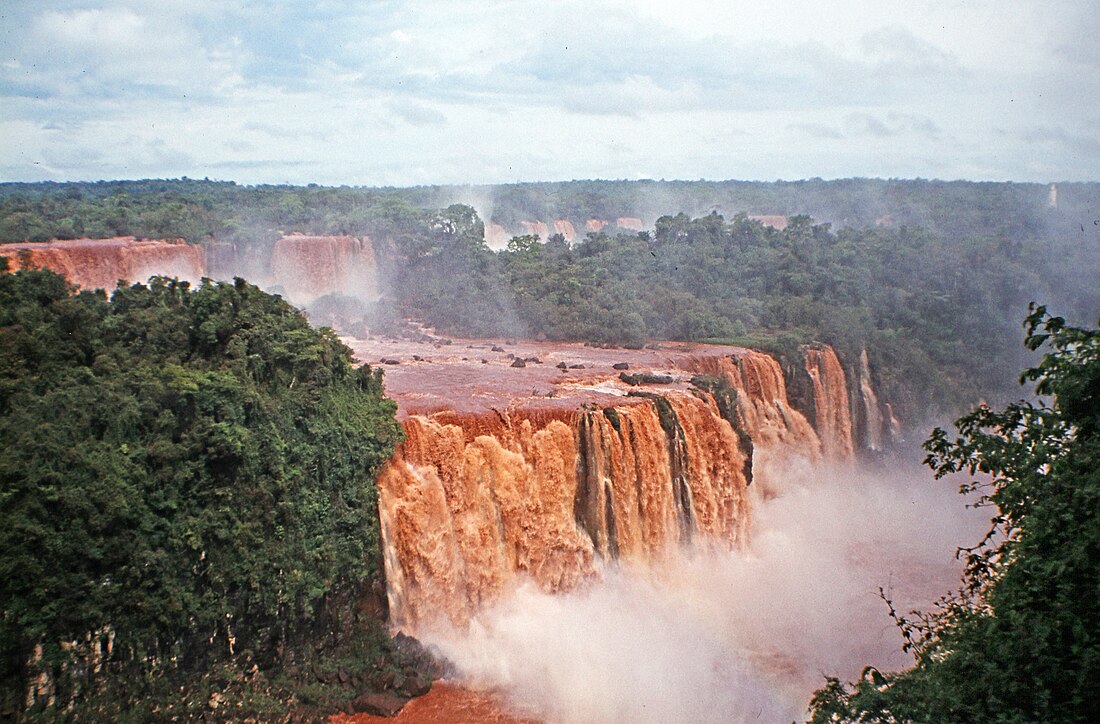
[691,552]
[101,263]
[832,416]
[307,267]
[474,503]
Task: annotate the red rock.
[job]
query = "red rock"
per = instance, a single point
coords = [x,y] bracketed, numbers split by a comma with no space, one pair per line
[379,704]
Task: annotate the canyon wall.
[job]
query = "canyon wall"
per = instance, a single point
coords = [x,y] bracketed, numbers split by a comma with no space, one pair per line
[775,221]
[101,263]
[474,502]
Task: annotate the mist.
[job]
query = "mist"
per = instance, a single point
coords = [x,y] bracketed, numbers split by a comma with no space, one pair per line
[717,635]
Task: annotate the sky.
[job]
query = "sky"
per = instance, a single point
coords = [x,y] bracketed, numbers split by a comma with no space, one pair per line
[407,93]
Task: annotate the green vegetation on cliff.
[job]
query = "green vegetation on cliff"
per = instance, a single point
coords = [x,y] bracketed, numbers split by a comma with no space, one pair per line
[1021,641]
[187,479]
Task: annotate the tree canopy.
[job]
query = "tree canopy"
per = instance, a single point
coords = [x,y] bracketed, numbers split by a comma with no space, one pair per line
[927,275]
[187,473]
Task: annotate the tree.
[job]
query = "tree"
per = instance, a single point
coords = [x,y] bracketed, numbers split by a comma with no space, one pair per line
[1021,640]
[187,474]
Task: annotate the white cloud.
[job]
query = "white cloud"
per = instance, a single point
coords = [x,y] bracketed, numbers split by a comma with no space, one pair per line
[432,92]
[93,29]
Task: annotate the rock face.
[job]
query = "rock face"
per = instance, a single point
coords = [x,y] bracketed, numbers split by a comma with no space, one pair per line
[379,704]
[307,267]
[629,222]
[547,486]
[101,263]
[595,225]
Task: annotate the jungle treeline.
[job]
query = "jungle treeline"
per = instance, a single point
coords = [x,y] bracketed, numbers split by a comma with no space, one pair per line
[931,277]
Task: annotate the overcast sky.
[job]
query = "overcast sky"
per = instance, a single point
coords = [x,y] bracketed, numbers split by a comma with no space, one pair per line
[403,93]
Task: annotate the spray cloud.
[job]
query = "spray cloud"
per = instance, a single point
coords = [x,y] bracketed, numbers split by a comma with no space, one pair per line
[714,635]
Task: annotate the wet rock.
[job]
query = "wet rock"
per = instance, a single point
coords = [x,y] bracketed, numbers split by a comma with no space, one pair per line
[517,362]
[408,646]
[533,360]
[645,378]
[391,361]
[497,348]
[576,367]
[562,366]
[418,358]
[418,685]
[620,366]
[379,704]
[484,361]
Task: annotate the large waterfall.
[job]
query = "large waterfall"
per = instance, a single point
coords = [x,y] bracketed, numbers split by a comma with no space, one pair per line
[101,263]
[474,501]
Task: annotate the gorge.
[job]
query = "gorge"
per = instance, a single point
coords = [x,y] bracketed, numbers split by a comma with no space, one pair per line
[555,494]
[590,503]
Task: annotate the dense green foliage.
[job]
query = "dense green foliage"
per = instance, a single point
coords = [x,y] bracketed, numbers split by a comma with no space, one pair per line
[195,209]
[923,274]
[188,472]
[163,448]
[932,311]
[1021,641]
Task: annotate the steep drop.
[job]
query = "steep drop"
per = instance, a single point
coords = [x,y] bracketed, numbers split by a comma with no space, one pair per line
[307,267]
[832,416]
[475,502]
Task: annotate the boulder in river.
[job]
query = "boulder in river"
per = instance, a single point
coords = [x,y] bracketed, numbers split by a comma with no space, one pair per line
[379,704]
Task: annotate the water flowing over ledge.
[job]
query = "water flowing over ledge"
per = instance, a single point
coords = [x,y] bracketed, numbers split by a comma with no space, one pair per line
[101,263]
[580,458]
